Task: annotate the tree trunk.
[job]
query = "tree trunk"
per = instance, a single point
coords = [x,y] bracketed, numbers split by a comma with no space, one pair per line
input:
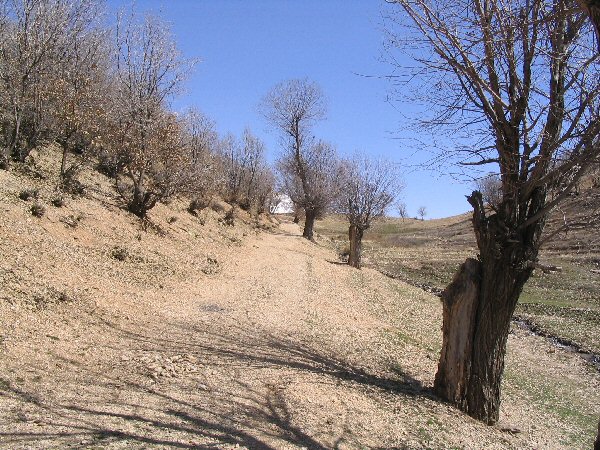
[63,162]
[478,306]
[355,235]
[309,223]
[460,300]
[4,158]
[597,443]
[138,203]
[14,142]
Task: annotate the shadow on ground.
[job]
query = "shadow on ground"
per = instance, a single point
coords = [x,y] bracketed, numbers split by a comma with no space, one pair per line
[223,404]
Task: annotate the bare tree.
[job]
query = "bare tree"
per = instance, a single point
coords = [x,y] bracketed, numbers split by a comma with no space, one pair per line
[249,180]
[153,161]
[422,212]
[264,191]
[81,92]
[293,107]
[202,142]
[311,181]
[402,211]
[522,78]
[490,187]
[37,40]
[367,189]
[201,134]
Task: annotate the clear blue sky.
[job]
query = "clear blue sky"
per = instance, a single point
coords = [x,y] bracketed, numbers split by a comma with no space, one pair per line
[246,47]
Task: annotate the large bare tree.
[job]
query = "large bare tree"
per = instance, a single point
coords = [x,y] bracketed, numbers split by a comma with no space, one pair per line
[519,81]
[293,107]
[368,188]
[153,160]
[311,181]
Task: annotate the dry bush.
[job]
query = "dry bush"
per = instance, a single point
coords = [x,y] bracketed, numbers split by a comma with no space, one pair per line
[212,266]
[72,220]
[197,204]
[119,253]
[37,209]
[229,218]
[28,194]
[58,201]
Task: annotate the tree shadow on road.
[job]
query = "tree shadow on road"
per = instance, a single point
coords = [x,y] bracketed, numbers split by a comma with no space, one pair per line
[120,403]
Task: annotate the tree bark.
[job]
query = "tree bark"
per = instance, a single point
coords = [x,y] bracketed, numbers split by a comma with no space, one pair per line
[138,204]
[597,443]
[592,9]
[63,162]
[355,235]
[460,300]
[478,306]
[309,223]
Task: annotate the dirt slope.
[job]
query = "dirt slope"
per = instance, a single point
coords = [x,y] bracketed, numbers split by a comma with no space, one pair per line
[273,346]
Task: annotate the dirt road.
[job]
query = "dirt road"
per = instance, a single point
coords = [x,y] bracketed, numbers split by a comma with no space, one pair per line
[281,348]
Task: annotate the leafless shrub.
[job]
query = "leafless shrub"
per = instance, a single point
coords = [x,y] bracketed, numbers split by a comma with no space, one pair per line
[58,201]
[197,204]
[69,182]
[38,210]
[402,211]
[229,218]
[72,220]
[28,194]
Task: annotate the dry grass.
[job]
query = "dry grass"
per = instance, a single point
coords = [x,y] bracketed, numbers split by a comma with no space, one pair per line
[564,304]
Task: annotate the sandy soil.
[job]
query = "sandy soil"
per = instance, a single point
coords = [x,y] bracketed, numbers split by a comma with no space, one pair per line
[221,337]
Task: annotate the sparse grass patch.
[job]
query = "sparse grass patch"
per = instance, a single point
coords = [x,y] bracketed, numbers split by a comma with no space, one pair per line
[557,397]
[51,296]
